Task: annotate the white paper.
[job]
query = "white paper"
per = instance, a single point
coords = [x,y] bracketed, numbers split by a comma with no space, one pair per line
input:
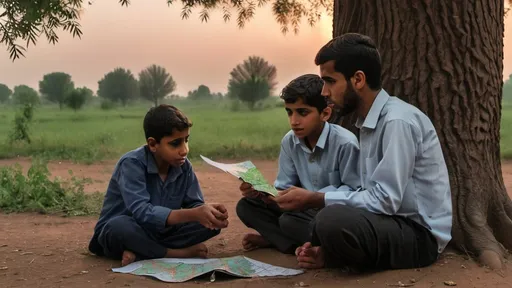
[247,172]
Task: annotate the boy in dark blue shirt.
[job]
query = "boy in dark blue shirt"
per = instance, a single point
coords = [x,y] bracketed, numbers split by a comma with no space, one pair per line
[154,207]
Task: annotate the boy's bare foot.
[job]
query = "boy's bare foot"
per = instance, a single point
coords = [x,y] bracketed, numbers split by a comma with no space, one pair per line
[310,257]
[254,241]
[197,251]
[128,258]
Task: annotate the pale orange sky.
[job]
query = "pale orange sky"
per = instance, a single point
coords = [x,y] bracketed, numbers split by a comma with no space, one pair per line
[150,32]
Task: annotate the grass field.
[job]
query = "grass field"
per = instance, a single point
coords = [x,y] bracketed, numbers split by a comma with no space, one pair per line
[94,134]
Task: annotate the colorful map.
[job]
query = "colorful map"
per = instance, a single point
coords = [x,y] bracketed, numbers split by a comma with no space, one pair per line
[247,172]
[181,270]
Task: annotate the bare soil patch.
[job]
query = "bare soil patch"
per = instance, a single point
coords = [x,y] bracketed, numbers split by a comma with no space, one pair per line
[51,251]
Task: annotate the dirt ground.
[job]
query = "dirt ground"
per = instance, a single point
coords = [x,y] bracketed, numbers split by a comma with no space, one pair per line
[51,251]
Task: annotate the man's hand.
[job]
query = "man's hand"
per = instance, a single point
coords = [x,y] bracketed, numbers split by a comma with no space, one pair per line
[211,216]
[299,199]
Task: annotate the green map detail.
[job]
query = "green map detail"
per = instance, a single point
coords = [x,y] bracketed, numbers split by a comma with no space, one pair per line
[247,172]
[182,272]
[254,177]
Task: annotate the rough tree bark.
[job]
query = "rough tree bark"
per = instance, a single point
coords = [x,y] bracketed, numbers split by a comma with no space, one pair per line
[446,58]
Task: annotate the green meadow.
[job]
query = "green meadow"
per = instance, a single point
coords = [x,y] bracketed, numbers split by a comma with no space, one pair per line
[93,134]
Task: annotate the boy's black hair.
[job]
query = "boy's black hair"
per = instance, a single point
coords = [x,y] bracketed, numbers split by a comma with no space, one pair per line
[352,52]
[308,88]
[162,120]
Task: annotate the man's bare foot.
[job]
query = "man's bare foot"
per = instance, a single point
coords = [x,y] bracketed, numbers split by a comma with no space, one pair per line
[197,251]
[128,258]
[310,257]
[254,241]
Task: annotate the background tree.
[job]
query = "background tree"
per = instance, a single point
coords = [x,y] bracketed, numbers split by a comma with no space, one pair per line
[444,57]
[252,81]
[507,91]
[218,96]
[155,84]
[5,93]
[118,85]
[77,98]
[89,94]
[24,94]
[201,93]
[56,87]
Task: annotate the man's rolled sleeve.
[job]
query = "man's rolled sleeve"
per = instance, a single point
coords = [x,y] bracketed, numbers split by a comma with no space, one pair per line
[132,184]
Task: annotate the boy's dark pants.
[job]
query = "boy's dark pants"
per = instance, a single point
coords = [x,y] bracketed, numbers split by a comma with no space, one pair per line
[284,230]
[123,233]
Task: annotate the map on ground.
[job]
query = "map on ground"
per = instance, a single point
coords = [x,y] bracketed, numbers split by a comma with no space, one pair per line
[247,172]
[181,270]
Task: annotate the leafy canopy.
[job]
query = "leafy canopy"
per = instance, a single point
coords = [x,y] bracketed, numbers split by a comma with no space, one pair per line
[27,20]
[5,93]
[56,87]
[252,81]
[118,85]
[155,83]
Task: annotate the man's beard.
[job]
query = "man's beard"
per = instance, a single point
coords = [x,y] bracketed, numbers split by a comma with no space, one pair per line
[351,102]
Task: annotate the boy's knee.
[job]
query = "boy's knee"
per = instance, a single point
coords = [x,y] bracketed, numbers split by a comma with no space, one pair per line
[243,208]
[119,226]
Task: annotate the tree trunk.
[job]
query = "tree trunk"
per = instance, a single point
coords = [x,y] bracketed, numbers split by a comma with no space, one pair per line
[446,58]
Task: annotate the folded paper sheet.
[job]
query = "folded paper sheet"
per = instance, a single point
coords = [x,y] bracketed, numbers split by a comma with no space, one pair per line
[247,172]
[181,270]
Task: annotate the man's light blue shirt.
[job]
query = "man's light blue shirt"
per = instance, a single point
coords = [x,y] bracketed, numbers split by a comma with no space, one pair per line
[402,168]
[330,164]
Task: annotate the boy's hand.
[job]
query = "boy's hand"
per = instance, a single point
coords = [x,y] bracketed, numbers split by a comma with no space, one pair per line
[212,216]
[248,191]
[221,209]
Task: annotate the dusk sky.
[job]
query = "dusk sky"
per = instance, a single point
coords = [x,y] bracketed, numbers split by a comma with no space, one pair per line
[150,32]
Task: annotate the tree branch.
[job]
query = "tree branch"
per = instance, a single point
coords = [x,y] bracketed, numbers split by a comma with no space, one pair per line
[27,20]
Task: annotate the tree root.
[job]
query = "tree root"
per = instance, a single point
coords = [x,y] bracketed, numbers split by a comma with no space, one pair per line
[484,235]
[492,259]
[503,229]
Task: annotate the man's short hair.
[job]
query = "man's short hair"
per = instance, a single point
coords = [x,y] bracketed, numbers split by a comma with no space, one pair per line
[352,52]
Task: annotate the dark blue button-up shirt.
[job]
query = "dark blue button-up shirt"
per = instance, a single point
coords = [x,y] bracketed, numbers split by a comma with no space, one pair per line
[137,190]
